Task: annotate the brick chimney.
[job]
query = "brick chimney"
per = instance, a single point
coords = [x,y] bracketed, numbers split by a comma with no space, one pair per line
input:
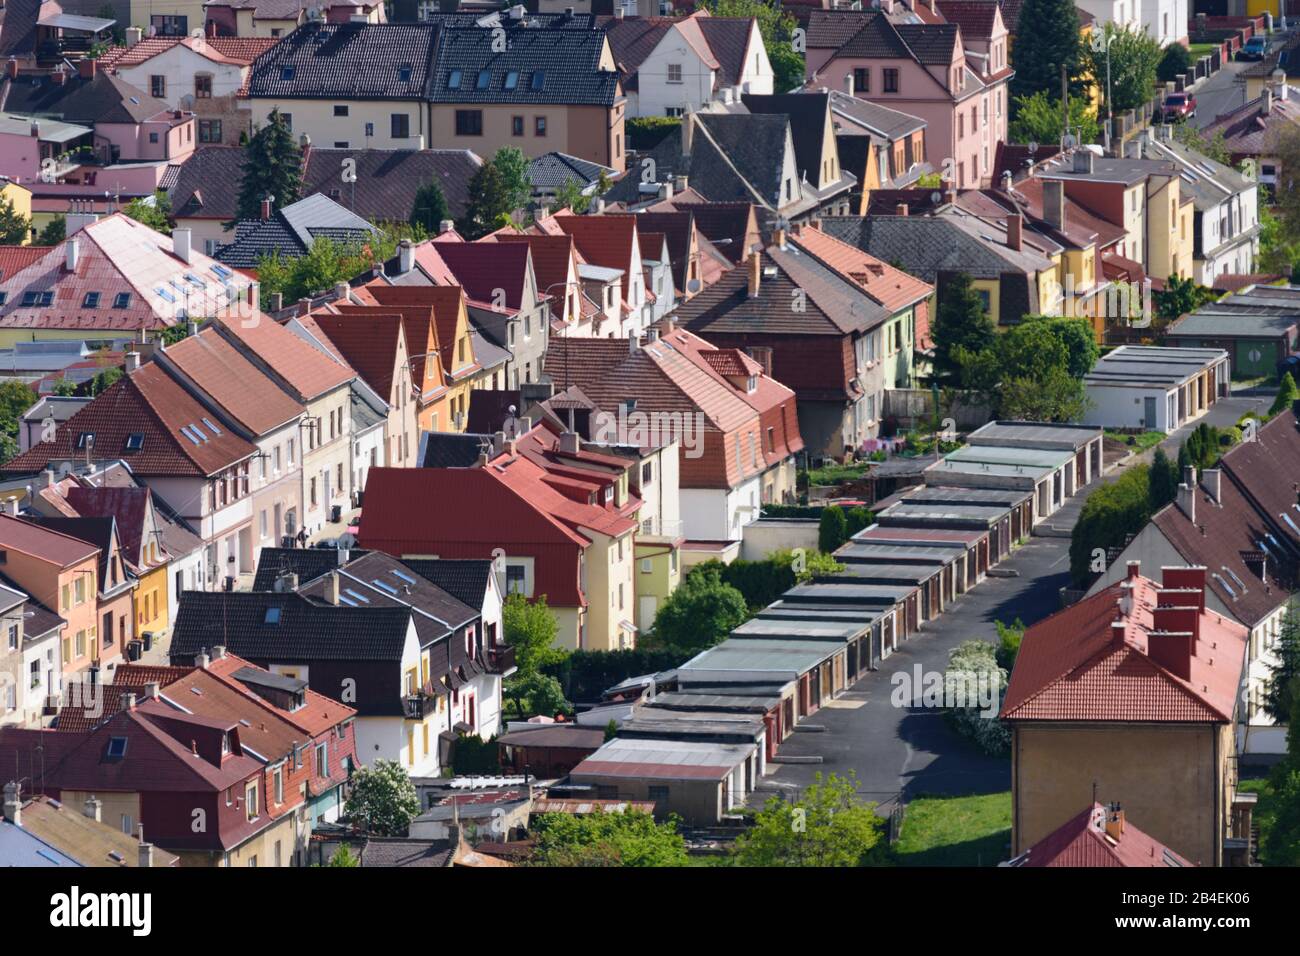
[1054,203]
[1171,643]
[1190,578]
[1015,225]
[266,207]
[1134,570]
[86,68]
[755,268]
[900,209]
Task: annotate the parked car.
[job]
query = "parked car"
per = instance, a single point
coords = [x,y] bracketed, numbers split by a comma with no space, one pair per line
[1255,49]
[1178,107]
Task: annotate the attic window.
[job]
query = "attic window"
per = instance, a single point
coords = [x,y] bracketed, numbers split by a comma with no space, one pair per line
[453,80]
[116,748]
[134,441]
[484,78]
[404,73]
[287,72]
[37,298]
[272,616]
[512,79]
[122,300]
[91,301]
[539,79]
[85,440]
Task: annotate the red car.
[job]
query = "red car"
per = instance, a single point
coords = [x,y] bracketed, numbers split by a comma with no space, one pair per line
[1178,106]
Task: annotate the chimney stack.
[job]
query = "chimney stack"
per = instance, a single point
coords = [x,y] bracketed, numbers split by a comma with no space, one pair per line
[633,342]
[405,256]
[332,588]
[201,660]
[1083,160]
[132,361]
[94,808]
[1266,103]
[1015,226]
[181,245]
[848,82]
[266,207]
[152,689]
[1115,822]
[1134,570]
[570,443]
[13,805]
[128,701]
[86,68]
[11,68]
[1054,203]
[446,225]
[1187,493]
[218,651]
[134,35]
[145,858]
[900,209]
[72,252]
[755,273]
[1190,578]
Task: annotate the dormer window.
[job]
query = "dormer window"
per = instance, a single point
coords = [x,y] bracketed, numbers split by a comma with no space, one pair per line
[122,300]
[225,744]
[751,383]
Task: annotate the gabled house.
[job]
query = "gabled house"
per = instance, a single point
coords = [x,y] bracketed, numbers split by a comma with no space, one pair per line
[611,265]
[1099,836]
[290,232]
[882,148]
[736,428]
[31,672]
[555,271]
[670,66]
[248,19]
[42,831]
[1133,690]
[1251,131]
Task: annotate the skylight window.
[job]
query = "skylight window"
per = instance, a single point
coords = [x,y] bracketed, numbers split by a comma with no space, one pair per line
[287,72]
[384,587]
[512,79]
[272,616]
[86,440]
[134,441]
[122,300]
[1287,518]
[91,301]
[211,427]
[190,434]
[38,298]
[1226,586]
[1234,577]
[358,596]
[484,78]
[347,601]
[116,748]
[539,79]
[191,278]
[222,271]
[404,576]
[453,80]
[165,293]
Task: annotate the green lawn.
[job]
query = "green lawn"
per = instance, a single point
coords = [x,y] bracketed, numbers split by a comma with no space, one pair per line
[1198,50]
[956,831]
[835,474]
[1139,442]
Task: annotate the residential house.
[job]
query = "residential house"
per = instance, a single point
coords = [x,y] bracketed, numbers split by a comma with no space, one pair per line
[670,66]
[611,270]
[379,185]
[550,172]
[924,69]
[797,316]
[323,387]
[18,196]
[1099,836]
[1258,326]
[737,428]
[1134,691]
[42,831]
[46,415]
[290,232]
[60,572]
[279,18]
[1251,131]
[555,262]
[30,671]
[882,148]
[115,278]
[1224,523]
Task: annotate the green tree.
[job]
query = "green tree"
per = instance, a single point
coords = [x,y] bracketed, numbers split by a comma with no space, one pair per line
[1175,61]
[1010,637]
[55,231]
[1038,119]
[530,628]
[828,826]
[1034,371]
[1277,253]
[1109,515]
[429,208]
[15,228]
[489,204]
[1287,393]
[104,379]
[15,398]
[777,27]
[1214,147]
[611,730]
[570,196]
[1281,844]
[513,164]
[272,167]
[1134,59]
[962,329]
[832,529]
[1178,297]
[700,613]
[1163,481]
[383,799]
[1286,195]
[153,211]
[630,838]
[1279,696]
[344,856]
[1039,53]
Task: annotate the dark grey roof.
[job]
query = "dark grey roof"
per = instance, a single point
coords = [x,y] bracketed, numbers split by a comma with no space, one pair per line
[379,580]
[389,61]
[1212,323]
[18,27]
[931,43]
[553,170]
[465,578]
[924,246]
[246,623]
[208,183]
[388,179]
[307,563]
[450,449]
[852,115]
[291,231]
[537,66]
[105,99]
[403,851]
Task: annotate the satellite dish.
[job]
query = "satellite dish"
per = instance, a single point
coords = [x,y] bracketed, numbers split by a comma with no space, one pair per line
[936,197]
[1068,140]
[313,13]
[693,285]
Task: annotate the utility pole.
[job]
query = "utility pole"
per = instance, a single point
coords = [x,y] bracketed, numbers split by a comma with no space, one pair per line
[1065,105]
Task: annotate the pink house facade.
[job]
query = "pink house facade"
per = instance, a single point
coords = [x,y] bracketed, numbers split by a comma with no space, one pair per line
[926,70]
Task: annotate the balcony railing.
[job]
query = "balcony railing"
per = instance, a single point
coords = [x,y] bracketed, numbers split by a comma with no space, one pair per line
[500,659]
[415,706]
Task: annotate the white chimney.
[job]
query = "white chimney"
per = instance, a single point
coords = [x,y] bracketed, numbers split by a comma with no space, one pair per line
[1213,479]
[405,256]
[13,804]
[73,250]
[446,225]
[145,850]
[181,244]
[94,808]
[132,361]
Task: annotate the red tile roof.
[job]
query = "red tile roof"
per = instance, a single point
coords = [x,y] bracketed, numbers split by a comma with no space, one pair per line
[369,344]
[227,376]
[488,271]
[605,241]
[1093,662]
[127,506]
[1083,841]
[59,549]
[448,303]
[15,258]
[147,402]
[420,328]
[304,368]
[553,258]
[893,288]
[317,715]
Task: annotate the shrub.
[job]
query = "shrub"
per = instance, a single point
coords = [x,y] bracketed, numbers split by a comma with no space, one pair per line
[833,530]
[1174,62]
[647,132]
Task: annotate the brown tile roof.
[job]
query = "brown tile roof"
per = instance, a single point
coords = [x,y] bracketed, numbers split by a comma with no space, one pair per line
[86,840]
[975,17]
[150,403]
[15,258]
[47,544]
[1083,841]
[305,369]
[892,288]
[369,344]
[447,302]
[230,379]
[1256,467]
[552,258]
[1092,662]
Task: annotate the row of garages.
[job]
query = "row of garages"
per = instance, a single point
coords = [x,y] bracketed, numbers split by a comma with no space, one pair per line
[700,742]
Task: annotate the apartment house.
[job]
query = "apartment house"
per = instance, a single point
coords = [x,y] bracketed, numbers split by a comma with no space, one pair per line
[31,670]
[323,387]
[250,405]
[736,427]
[115,278]
[923,69]
[671,66]
[555,271]
[1133,690]
[1143,196]
[270,18]
[882,147]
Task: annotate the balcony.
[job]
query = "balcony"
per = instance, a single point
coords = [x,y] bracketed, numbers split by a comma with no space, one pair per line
[415,706]
[501,659]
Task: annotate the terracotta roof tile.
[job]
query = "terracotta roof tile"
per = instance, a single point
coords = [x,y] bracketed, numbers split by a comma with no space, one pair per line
[223,372]
[1083,841]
